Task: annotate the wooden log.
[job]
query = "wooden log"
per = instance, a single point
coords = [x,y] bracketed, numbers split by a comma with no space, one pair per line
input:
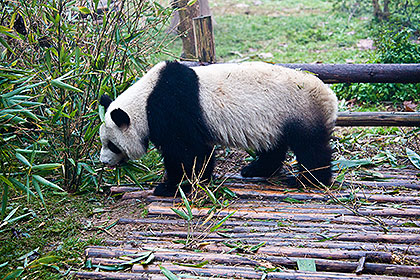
[321,264]
[406,250]
[115,190]
[362,73]
[369,237]
[243,191]
[152,273]
[378,118]
[204,40]
[157,209]
[137,194]
[110,275]
[232,272]
[359,73]
[266,226]
[392,184]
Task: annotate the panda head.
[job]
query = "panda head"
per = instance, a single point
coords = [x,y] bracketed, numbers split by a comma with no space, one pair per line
[119,138]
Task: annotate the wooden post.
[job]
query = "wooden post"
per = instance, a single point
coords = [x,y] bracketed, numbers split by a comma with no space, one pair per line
[204,39]
[186,14]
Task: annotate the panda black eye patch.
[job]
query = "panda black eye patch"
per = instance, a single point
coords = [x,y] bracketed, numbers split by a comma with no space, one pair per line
[113,148]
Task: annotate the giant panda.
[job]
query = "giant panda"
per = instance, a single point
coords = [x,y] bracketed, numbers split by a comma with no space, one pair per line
[185,111]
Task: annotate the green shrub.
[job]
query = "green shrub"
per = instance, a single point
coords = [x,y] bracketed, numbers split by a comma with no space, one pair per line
[391,47]
[57,58]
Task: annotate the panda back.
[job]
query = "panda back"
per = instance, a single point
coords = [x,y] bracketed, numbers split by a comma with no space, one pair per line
[248,105]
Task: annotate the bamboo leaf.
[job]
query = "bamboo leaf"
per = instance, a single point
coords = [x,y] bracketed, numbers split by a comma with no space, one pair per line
[59,113]
[62,85]
[46,182]
[46,166]
[149,259]
[44,260]
[143,256]
[23,159]
[181,214]
[219,224]
[413,157]
[20,217]
[186,203]
[168,274]
[84,10]
[5,196]
[199,265]
[8,32]
[6,45]
[346,163]
[22,89]
[24,151]
[306,265]
[256,247]
[211,195]
[39,192]
[15,274]
[191,2]
[10,215]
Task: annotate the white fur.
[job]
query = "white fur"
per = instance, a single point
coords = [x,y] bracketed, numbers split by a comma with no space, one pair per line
[247,104]
[133,101]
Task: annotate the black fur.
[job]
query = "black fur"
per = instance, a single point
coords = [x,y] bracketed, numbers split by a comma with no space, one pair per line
[120,118]
[177,127]
[105,101]
[310,144]
[114,148]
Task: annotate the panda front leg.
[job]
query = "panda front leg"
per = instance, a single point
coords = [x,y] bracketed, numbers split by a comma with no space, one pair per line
[267,163]
[185,164]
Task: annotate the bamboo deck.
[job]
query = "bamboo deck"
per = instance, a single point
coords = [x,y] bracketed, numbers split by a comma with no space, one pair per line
[362,230]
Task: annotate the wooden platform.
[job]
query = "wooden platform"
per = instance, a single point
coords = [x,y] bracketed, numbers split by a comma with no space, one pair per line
[360,230]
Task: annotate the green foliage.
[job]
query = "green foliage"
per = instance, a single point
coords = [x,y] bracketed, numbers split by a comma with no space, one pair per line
[291,32]
[48,115]
[403,13]
[391,47]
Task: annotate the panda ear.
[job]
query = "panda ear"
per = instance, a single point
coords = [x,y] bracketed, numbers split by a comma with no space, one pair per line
[105,100]
[120,118]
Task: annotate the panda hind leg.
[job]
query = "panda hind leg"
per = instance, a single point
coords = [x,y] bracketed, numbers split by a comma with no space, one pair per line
[313,152]
[267,163]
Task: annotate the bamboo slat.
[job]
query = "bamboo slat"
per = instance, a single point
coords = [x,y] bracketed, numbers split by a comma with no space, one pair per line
[378,239]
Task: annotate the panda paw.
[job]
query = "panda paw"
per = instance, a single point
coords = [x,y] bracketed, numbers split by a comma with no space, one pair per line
[164,190]
[168,190]
[252,170]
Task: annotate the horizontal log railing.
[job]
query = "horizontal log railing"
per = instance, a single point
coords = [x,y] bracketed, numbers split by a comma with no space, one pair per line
[378,119]
[364,73]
